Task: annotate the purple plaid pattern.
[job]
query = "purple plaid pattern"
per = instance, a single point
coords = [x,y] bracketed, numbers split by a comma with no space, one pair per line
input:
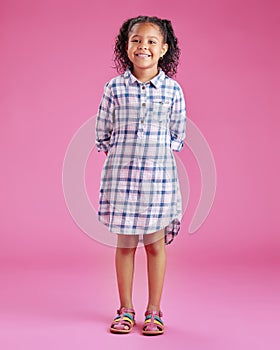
[139,125]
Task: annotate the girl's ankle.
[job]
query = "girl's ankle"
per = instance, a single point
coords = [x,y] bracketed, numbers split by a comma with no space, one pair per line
[153,307]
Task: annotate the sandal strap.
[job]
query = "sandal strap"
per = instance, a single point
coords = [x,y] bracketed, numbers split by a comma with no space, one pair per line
[154,313]
[125,310]
[124,322]
[154,317]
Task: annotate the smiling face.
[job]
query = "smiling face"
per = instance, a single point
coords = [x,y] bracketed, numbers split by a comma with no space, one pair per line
[145,46]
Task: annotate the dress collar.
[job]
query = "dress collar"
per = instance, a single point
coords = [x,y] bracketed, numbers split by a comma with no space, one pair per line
[156,81]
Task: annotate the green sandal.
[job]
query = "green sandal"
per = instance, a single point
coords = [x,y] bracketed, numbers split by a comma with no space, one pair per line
[124,321]
[153,324]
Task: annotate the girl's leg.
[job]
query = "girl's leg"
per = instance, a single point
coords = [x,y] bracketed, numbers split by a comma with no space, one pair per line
[124,260]
[156,264]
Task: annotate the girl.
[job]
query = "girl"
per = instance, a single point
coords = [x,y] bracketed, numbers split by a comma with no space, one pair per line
[141,120]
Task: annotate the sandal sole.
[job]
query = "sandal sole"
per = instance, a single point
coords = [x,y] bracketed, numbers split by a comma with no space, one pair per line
[152,333]
[120,331]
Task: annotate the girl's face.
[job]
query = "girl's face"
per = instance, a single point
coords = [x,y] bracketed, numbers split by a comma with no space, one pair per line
[145,46]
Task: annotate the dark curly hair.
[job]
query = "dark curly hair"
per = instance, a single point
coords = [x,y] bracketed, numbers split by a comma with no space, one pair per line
[170,60]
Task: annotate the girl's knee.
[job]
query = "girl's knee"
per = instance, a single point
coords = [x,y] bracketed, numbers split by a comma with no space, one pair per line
[125,251]
[156,245]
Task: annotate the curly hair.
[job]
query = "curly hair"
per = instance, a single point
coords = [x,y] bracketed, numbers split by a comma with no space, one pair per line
[170,60]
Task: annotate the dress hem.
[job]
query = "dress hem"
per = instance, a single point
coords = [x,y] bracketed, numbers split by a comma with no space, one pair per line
[171,230]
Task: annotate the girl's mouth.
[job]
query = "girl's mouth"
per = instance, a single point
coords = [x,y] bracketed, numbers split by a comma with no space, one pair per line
[142,55]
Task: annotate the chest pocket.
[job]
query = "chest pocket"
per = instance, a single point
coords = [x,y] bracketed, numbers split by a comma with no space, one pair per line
[159,111]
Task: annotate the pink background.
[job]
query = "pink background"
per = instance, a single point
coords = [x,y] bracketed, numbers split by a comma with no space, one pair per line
[58,287]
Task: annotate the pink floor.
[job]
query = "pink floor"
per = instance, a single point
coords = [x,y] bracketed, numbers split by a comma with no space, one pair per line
[57,286]
[69,305]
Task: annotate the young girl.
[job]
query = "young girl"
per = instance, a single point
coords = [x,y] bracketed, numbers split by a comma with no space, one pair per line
[141,120]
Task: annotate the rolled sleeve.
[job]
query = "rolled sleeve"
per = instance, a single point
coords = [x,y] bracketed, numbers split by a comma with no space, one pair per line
[104,121]
[178,121]
[177,145]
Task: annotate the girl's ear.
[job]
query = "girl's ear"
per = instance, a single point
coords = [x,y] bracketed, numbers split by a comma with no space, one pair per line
[126,45]
[164,49]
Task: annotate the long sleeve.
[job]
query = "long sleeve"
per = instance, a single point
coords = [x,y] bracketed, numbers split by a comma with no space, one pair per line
[178,121]
[104,121]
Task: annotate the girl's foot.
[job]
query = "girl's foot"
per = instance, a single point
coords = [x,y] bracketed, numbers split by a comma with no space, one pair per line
[153,324]
[124,321]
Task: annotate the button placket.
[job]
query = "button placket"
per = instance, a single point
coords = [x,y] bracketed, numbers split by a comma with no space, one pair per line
[143,99]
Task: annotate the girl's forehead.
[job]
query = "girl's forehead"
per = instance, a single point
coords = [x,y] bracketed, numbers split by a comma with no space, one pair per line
[145,28]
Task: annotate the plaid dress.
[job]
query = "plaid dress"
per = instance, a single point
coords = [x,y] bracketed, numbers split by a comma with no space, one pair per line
[140,125]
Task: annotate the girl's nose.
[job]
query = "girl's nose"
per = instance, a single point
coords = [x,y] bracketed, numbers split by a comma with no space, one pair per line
[142,46]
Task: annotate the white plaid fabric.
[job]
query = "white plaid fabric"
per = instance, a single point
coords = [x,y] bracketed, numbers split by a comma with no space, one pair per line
[139,125]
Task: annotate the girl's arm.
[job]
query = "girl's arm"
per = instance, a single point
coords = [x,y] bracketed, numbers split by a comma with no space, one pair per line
[178,121]
[104,120]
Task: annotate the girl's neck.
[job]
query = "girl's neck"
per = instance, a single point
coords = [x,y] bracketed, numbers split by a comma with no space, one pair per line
[145,75]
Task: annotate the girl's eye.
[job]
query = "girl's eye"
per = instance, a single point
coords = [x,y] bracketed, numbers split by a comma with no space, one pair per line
[138,41]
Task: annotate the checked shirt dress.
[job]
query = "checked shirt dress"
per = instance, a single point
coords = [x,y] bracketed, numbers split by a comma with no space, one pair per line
[140,125]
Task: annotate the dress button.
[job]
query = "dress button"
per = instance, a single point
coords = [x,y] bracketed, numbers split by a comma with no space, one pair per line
[142,121]
[143,87]
[144,104]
